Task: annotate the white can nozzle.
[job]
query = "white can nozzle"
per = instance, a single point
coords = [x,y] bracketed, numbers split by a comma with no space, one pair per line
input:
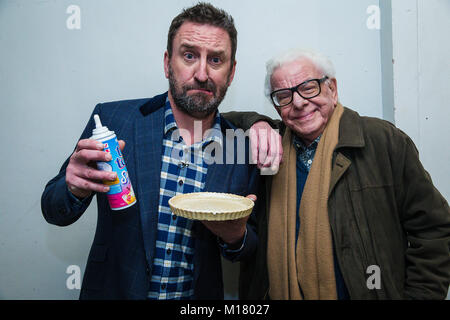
[99,129]
[98,123]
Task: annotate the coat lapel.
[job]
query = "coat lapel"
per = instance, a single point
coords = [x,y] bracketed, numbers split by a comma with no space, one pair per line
[340,165]
[218,174]
[350,136]
[149,137]
[218,171]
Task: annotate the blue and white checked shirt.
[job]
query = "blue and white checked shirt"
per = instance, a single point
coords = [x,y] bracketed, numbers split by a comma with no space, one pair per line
[182,171]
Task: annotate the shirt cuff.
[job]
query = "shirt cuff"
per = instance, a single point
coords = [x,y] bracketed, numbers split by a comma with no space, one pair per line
[75,202]
[226,248]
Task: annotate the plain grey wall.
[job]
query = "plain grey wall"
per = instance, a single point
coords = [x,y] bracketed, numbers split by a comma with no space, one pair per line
[421,77]
[51,77]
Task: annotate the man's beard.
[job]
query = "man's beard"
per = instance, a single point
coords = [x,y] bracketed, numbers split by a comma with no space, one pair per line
[197,105]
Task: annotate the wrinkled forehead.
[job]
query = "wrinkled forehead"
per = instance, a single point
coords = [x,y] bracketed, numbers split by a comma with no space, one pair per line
[196,35]
[291,73]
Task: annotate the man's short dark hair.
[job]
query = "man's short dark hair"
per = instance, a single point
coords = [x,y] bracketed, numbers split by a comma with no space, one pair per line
[204,13]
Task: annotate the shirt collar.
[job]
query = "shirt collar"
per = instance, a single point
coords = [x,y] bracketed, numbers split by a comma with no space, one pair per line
[300,146]
[169,120]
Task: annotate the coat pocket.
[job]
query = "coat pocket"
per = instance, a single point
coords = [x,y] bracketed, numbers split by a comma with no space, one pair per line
[96,268]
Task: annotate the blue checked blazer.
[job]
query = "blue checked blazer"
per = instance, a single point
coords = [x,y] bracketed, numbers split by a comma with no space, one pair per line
[120,260]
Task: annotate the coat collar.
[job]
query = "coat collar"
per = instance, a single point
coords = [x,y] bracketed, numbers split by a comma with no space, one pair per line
[153,104]
[350,130]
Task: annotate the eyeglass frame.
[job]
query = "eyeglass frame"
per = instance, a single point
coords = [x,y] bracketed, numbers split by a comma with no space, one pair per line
[295,89]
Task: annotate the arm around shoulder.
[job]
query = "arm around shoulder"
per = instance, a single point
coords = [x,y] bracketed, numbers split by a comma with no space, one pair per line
[245,120]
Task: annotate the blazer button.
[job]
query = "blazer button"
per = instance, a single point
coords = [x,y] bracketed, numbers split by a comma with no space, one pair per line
[180,182]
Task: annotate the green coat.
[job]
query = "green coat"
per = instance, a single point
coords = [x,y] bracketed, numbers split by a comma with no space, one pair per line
[384,211]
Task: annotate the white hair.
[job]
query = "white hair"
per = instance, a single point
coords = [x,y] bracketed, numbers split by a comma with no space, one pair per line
[319,60]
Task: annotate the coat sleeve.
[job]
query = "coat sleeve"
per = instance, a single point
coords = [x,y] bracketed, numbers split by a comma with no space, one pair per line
[249,243]
[58,205]
[425,216]
[245,120]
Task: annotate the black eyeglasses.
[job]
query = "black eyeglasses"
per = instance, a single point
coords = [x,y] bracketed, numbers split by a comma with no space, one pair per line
[307,90]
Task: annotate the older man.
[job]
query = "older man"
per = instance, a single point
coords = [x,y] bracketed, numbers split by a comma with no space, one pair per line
[351,213]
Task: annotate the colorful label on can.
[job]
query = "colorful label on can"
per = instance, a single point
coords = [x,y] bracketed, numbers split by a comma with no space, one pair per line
[120,194]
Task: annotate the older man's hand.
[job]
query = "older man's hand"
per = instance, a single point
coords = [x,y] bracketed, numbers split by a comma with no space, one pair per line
[266,147]
[230,231]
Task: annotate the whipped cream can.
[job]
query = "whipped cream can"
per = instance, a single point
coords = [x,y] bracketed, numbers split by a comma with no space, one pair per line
[120,194]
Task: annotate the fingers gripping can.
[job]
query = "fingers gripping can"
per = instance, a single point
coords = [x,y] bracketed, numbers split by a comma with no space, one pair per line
[120,194]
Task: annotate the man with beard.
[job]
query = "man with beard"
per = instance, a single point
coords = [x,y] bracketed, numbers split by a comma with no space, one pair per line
[145,251]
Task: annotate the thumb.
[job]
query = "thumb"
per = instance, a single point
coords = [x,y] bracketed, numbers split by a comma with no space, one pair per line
[252,197]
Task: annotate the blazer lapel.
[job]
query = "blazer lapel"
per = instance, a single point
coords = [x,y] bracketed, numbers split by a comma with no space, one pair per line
[149,137]
[216,178]
[218,171]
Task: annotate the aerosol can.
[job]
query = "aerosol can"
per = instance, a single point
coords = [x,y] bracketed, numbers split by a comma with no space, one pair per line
[120,194]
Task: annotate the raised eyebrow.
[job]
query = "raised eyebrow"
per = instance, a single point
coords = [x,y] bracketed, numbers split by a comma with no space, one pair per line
[306,81]
[294,87]
[187,46]
[220,53]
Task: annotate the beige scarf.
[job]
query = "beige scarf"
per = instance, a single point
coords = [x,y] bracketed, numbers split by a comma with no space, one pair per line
[310,266]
